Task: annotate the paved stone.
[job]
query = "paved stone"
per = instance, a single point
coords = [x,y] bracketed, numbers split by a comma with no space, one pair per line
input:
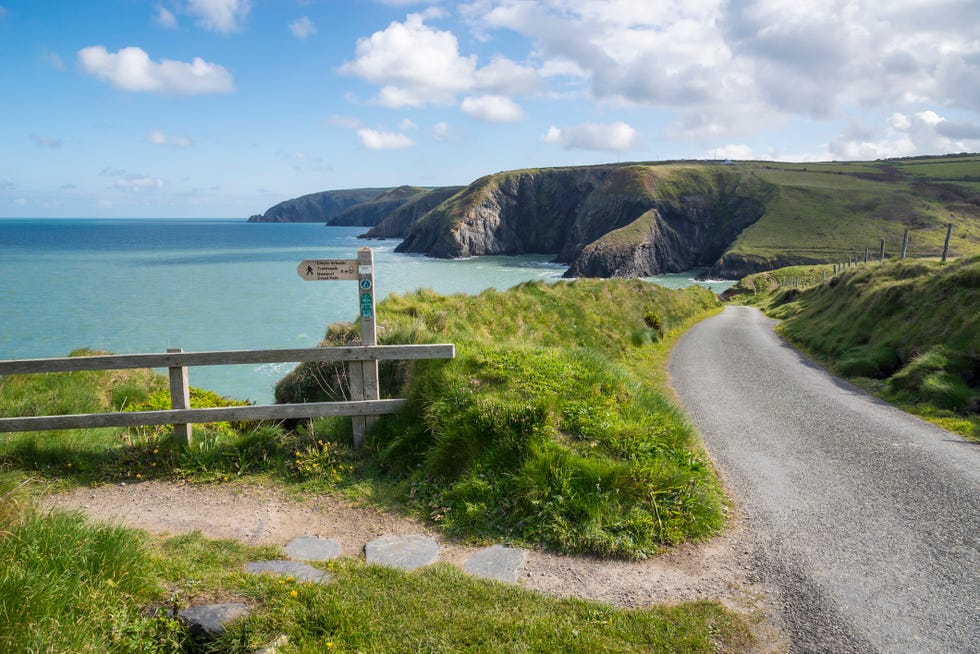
[312,548]
[405,552]
[497,562]
[210,620]
[298,571]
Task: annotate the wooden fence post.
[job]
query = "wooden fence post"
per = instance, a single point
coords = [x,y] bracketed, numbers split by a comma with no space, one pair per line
[949,232]
[881,252]
[180,398]
[905,243]
[364,374]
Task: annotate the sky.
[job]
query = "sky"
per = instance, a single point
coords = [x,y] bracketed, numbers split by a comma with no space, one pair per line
[223,108]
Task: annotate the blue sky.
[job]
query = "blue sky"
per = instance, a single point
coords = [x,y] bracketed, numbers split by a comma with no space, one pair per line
[222,108]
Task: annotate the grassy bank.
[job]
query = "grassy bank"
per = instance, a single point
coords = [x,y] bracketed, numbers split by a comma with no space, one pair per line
[67,585]
[908,331]
[551,393]
[546,429]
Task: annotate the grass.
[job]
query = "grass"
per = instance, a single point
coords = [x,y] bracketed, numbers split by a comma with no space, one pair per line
[909,331]
[546,429]
[71,585]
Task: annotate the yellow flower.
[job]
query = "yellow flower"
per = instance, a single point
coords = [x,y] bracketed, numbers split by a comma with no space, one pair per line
[69,465]
[293,593]
[329,643]
[155,450]
[139,476]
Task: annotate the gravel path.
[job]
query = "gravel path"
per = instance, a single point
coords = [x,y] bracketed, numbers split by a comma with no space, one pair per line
[865,520]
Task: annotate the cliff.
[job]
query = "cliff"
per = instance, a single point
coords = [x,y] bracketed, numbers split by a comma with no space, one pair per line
[317,207]
[603,221]
[399,221]
[373,211]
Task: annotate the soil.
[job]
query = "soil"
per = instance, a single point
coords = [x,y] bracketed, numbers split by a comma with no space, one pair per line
[720,569]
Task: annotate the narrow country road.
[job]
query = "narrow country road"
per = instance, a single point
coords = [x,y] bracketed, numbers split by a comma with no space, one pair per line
[866,521]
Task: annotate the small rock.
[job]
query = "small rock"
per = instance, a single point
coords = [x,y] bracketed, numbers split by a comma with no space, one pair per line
[497,562]
[405,552]
[312,548]
[210,620]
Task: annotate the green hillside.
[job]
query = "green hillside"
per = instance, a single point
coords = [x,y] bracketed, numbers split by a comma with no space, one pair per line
[906,330]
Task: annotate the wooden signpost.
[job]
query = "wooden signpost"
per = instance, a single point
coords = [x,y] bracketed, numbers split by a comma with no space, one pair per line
[363,374]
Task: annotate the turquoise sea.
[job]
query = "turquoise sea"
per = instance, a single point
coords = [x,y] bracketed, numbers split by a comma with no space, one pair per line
[141,285]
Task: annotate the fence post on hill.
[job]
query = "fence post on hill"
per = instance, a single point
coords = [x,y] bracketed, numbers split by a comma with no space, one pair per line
[867,254]
[180,398]
[364,374]
[881,252]
[905,243]
[949,232]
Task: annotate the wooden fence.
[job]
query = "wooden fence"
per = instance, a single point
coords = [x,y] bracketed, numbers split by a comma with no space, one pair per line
[364,404]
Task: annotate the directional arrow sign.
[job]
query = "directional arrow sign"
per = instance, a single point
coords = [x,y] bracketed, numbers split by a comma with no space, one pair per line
[327,269]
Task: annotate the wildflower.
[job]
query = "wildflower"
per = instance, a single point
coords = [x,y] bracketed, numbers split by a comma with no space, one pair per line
[329,644]
[68,465]
[293,593]
[139,476]
[155,450]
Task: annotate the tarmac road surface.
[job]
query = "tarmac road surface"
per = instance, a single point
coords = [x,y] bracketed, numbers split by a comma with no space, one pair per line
[866,520]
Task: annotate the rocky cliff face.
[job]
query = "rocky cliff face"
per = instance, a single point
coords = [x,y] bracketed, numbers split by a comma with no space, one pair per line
[604,221]
[317,207]
[397,223]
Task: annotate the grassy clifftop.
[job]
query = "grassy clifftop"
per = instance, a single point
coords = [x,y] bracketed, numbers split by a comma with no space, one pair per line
[737,218]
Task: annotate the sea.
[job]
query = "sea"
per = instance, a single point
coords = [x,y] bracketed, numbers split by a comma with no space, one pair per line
[145,285]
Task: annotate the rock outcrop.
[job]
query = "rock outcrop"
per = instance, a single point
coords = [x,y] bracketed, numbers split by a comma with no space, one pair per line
[398,222]
[603,221]
[373,211]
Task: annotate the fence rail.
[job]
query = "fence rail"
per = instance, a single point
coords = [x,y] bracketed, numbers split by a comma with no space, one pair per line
[181,416]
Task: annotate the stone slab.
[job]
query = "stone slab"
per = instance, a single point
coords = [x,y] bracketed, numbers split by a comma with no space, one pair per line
[497,562]
[405,552]
[210,620]
[294,569]
[312,548]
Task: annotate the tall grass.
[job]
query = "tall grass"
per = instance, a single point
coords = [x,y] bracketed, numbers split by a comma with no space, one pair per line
[545,429]
[70,586]
[907,330]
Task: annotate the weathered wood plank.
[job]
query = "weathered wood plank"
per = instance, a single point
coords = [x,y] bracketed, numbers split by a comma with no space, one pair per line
[216,414]
[230,357]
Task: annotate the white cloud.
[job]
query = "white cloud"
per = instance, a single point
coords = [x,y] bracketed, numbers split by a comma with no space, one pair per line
[731,68]
[376,140]
[492,109]
[302,28]
[156,137]
[131,69]
[406,125]
[732,151]
[907,135]
[611,137]
[415,65]
[165,18]
[505,77]
[139,183]
[46,141]
[219,15]
[441,131]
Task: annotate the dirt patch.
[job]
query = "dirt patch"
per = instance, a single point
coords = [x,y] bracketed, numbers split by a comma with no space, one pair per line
[720,569]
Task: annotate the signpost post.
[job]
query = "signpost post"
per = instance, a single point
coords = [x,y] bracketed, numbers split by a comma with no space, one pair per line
[363,374]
